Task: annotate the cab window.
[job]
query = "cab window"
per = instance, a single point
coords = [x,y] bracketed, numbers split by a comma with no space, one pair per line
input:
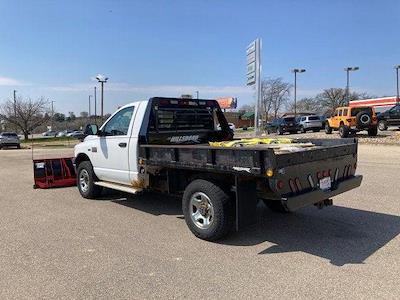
[339,112]
[119,123]
[345,112]
[336,113]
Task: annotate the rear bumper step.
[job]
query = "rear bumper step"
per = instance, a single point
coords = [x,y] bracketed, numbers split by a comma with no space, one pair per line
[306,199]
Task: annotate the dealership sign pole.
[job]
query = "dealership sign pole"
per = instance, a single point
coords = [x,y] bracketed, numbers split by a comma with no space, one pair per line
[253,74]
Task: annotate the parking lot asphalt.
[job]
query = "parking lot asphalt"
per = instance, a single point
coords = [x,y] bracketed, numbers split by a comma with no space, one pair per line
[55,244]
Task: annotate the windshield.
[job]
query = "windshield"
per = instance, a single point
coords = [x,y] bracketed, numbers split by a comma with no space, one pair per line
[356,110]
[313,118]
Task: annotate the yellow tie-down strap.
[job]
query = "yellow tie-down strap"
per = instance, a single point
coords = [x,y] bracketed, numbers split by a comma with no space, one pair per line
[251,142]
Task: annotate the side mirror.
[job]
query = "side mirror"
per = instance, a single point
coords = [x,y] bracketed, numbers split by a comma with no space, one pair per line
[91,129]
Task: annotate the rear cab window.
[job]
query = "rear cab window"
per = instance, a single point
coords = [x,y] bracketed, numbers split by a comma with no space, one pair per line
[186,121]
[313,118]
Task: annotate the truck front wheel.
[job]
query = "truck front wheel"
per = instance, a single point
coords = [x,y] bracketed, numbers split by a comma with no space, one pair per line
[85,181]
[328,129]
[207,209]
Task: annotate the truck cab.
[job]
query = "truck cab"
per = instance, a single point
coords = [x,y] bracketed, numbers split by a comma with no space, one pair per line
[113,148]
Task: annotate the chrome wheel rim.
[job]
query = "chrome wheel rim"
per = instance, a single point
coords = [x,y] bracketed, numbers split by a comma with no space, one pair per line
[201,210]
[84,180]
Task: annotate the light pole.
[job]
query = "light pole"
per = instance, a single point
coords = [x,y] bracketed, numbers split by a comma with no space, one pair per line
[52,114]
[102,79]
[15,108]
[348,69]
[95,105]
[295,71]
[397,80]
[197,94]
[90,96]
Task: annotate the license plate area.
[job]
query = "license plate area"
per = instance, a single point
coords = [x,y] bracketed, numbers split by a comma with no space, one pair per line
[325,183]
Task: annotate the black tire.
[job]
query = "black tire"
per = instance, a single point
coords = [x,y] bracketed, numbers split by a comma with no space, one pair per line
[275,206]
[279,131]
[18,146]
[302,130]
[92,191]
[328,129]
[382,125]
[363,119]
[223,212]
[373,131]
[343,131]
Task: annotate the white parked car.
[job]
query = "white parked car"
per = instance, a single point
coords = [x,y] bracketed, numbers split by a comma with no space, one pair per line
[50,133]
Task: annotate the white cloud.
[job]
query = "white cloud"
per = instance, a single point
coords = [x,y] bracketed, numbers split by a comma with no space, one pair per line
[7,81]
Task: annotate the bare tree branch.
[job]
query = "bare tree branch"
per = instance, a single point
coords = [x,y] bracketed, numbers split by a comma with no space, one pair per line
[25,114]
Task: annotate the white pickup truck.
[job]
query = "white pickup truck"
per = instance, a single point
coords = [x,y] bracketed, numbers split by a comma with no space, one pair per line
[162,145]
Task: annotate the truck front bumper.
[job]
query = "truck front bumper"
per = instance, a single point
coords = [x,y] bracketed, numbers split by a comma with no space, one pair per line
[309,198]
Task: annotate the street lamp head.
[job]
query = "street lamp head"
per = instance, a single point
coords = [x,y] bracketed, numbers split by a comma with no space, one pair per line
[101,78]
[397,67]
[351,68]
[298,70]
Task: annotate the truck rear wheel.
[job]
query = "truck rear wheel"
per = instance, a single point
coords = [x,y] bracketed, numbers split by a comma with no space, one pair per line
[207,209]
[276,206]
[343,131]
[85,181]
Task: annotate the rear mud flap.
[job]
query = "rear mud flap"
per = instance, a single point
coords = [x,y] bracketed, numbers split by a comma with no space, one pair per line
[246,201]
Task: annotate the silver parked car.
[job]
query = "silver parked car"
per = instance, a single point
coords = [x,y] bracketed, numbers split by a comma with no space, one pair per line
[9,139]
[313,123]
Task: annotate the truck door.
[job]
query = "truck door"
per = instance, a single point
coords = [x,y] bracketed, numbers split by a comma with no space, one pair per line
[334,119]
[111,156]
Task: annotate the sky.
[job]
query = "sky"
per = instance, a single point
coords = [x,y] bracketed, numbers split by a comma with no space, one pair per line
[54,49]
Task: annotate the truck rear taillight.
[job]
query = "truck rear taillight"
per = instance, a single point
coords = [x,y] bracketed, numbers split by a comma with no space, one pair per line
[292,186]
[298,184]
[349,171]
[345,171]
[336,174]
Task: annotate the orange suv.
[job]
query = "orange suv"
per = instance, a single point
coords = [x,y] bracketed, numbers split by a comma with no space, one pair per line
[351,120]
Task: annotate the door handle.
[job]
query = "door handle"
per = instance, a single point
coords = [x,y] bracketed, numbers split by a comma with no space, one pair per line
[122,145]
